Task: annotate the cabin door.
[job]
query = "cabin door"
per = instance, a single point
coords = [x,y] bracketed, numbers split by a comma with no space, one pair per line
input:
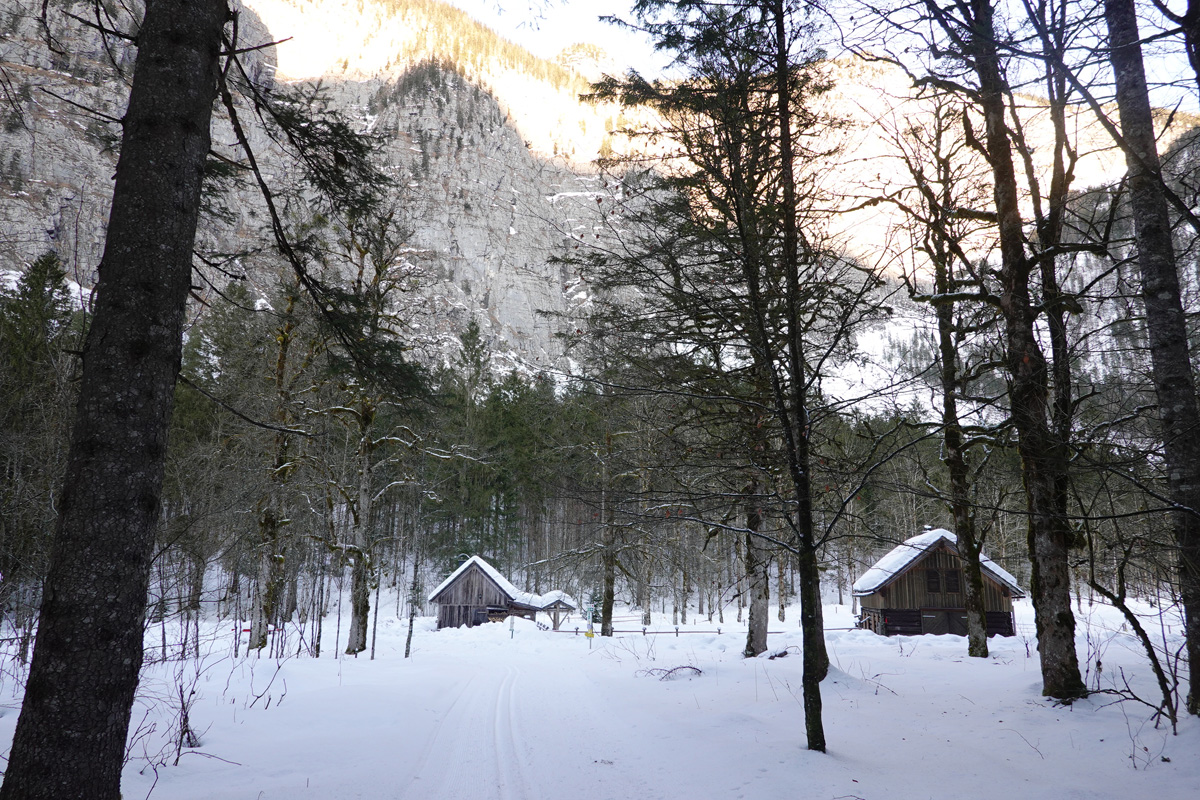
[935,620]
[941,620]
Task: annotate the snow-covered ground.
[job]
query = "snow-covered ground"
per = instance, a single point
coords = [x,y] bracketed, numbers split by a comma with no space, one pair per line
[525,714]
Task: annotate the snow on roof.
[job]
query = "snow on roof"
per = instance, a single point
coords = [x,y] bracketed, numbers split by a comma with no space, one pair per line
[556,595]
[902,556]
[514,594]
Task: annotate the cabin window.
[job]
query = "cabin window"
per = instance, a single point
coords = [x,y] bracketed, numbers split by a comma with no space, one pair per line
[933,584]
[953,581]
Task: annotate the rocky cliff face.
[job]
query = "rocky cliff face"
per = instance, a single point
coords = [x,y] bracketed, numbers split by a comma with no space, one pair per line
[490,149]
[490,194]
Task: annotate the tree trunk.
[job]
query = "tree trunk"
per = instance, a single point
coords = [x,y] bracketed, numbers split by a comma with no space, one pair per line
[795,425]
[782,584]
[262,601]
[608,555]
[360,605]
[608,566]
[758,576]
[955,458]
[70,738]
[740,579]
[271,544]
[684,593]
[644,598]
[1043,453]
[1166,326]
[361,561]
[816,657]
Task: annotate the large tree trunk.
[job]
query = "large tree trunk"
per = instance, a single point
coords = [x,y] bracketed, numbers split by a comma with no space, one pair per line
[271,542]
[782,585]
[264,601]
[70,738]
[643,588]
[1043,453]
[1165,321]
[757,578]
[608,547]
[362,570]
[608,567]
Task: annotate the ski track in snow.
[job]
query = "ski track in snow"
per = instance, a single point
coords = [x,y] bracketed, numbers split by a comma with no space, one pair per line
[500,714]
[476,749]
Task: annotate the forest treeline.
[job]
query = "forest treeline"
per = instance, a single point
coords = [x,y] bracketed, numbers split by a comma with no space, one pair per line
[725,433]
[265,471]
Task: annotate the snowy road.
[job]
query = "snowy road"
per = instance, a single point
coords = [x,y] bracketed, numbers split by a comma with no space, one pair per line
[521,731]
[483,720]
[477,749]
[485,715]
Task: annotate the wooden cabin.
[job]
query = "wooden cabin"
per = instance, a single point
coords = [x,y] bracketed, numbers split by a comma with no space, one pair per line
[918,588]
[476,593]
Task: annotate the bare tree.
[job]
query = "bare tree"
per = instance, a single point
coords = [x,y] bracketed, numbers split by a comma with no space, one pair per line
[1174,381]
[966,56]
[940,207]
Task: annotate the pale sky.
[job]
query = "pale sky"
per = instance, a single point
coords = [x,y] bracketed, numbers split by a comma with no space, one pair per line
[545,27]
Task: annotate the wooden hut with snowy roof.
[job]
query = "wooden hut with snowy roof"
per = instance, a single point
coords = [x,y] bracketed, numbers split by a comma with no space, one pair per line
[918,588]
[476,593]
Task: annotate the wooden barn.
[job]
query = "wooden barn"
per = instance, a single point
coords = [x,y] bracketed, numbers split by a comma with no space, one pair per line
[918,588]
[476,593]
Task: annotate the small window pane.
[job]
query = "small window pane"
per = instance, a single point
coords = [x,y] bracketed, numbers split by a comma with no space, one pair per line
[953,581]
[932,584]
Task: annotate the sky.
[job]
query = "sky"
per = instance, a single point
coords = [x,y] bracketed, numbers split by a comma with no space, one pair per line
[545,27]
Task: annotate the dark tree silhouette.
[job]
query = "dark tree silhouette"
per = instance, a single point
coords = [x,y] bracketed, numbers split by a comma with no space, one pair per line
[70,738]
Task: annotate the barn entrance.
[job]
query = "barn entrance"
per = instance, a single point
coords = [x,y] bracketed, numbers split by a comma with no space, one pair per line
[944,620]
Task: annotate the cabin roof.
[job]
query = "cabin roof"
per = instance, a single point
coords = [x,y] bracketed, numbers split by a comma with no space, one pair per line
[558,596]
[536,601]
[892,565]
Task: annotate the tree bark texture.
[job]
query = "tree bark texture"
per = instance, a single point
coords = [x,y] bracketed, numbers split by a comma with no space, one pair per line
[796,424]
[781,583]
[70,738]
[1043,453]
[1166,325]
[757,579]
[643,589]
[608,566]
[955,458]
[271,541]
[362,562]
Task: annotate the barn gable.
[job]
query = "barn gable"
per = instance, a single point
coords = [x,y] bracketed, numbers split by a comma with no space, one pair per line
[904,556]
[918,588]
[476,592]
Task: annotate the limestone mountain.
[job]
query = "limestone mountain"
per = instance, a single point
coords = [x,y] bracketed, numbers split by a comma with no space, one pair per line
[490,149]
[488,146]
